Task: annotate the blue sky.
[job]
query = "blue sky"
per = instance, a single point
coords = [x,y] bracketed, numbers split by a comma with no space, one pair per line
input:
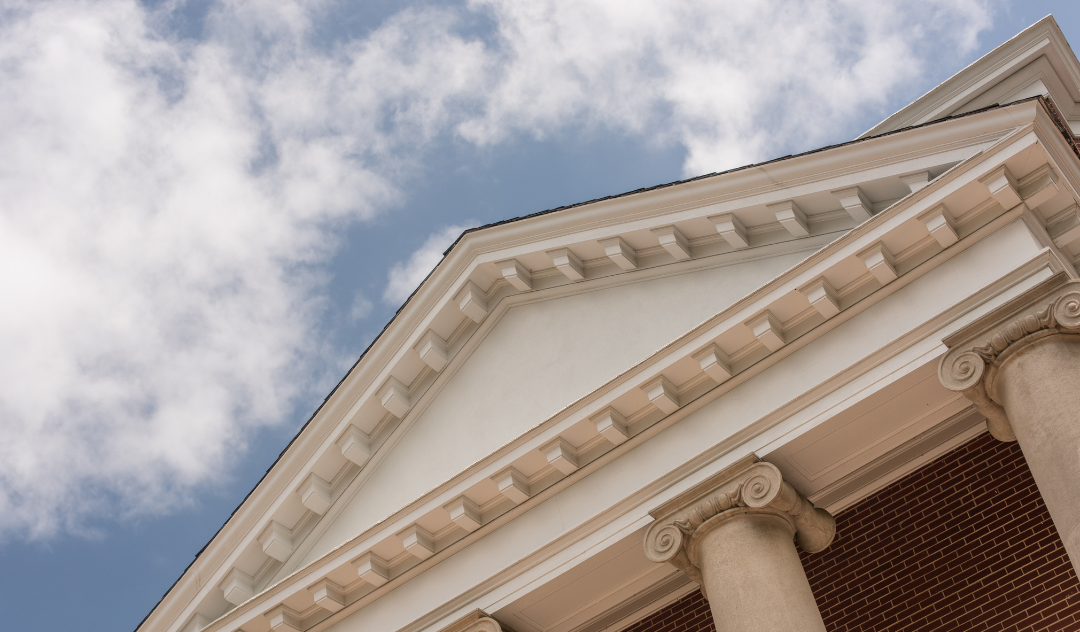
[210,209]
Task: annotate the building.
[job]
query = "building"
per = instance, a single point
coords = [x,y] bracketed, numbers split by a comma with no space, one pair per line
[586,417]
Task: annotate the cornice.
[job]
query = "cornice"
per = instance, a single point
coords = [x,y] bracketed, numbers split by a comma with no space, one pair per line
[757,184]
[298,458]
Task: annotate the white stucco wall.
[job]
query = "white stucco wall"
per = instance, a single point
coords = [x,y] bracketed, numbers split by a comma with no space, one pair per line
[539,358]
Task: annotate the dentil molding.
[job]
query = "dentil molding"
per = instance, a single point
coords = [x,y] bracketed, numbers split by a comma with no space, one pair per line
[978,352]
[747,486]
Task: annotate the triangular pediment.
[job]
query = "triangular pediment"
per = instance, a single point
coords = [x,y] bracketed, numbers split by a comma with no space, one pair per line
[538,358]
[524,321]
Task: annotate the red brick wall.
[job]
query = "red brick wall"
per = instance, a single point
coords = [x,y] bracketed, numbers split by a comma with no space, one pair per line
[964,543]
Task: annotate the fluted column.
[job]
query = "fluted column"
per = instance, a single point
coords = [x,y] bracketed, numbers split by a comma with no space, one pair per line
[1020,366]
[732,534]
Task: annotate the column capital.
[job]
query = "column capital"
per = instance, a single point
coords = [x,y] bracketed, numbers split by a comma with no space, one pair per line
[748,487]
[475,621]
[978,352]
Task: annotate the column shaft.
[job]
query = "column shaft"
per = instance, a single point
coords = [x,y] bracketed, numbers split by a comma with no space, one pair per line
[1039,387]
[754,577]
[1020,366]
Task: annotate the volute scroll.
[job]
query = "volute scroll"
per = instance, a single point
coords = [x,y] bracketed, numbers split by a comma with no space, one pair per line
[749,486]
[475,621]
[979,351]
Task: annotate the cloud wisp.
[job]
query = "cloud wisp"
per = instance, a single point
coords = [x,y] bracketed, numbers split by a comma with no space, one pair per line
[406,276]
[167,205]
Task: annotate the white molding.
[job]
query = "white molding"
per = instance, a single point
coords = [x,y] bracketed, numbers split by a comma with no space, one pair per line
[237,587]
[513,485]
[811,244]
[662,394]
[315,494]
[284,619]
[568,263]
[472,301]
[791,217]
[394,397]
[880,262]
[372,569]
[941,225]
[731,229]
[464,513]
[1043,39]
[1064,227]
[504,456]
[516,274]
[768,330]
[355,446]
[417,541]
[611,425]
[673,241]
[1002,186]
[619,252]
[855,203]
[822,296]
[197,623]
[1038,187]
[328,595]
[432,350]
[561,456]
[916,181]
[277,541]
[715,363]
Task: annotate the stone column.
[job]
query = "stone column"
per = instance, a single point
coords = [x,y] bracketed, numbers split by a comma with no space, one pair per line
[732,534]
[475,621]
[1020,366]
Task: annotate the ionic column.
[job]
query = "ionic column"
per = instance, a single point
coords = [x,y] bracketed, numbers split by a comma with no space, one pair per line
[732,534]
[1020,366]
[475,621]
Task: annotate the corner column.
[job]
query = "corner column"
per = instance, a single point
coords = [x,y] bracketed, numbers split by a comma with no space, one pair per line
[732,534]
[1020,366]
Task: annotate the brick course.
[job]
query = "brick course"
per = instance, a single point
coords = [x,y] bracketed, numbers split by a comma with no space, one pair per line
[965,543]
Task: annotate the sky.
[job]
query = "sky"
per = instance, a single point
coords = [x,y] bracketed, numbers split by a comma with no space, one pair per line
[209,209]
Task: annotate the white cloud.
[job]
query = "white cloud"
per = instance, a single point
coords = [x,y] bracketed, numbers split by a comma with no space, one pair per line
[406,276]
[162,210]
[733,82]
[165,204]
